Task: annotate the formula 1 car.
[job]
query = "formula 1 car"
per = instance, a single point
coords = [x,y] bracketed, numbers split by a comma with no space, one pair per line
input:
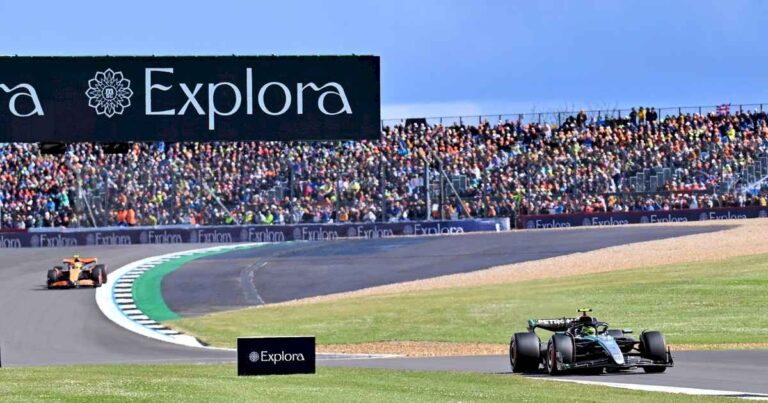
[586,345]
[77,272]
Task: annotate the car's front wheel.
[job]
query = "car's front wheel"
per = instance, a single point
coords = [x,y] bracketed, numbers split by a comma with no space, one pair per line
[53,276]
[562,346]
[653,347]
[98,275]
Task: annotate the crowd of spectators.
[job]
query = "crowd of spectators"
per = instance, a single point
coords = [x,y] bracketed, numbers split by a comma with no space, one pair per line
[505,168]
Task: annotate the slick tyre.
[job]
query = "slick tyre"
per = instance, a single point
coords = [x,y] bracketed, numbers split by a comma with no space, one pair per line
[653,347]
[524,352]
[52,277]
[98,275]
[103,277]
[559,345]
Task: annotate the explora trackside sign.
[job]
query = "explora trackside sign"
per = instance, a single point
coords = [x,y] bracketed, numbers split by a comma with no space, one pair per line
[113,99]
[275,355]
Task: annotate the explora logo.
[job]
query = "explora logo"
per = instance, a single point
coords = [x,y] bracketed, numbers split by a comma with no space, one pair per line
[109,93]
[265,356]
[284,92]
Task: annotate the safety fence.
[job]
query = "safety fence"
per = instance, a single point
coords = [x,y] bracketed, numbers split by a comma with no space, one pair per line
[559,117]
[61,237]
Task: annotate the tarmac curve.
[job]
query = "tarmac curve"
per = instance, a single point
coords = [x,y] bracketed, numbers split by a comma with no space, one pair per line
[58,327]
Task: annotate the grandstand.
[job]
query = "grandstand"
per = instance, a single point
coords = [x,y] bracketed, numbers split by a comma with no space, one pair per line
[563,163]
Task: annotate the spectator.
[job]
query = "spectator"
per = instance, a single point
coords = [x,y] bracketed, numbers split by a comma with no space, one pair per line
[502,169]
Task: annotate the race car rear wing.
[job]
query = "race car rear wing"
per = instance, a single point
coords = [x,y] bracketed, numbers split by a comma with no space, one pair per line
[83,260]
[553,325]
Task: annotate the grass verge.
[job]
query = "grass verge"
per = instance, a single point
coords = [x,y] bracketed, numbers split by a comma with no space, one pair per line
[208,383]
[699,303]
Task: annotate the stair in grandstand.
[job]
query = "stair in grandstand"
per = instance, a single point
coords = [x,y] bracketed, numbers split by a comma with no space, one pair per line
[650,179]
[753,177]
[750,179]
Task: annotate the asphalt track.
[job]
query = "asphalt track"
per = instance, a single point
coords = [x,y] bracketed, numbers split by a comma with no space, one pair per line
[742,371]
[45,327]
[283,272]
[48,327]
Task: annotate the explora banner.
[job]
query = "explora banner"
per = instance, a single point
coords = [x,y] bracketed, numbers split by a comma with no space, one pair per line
[190,98]
[58,237]
[638,217]
[275,355]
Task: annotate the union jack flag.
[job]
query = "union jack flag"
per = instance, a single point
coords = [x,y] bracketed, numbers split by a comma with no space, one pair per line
[723,109]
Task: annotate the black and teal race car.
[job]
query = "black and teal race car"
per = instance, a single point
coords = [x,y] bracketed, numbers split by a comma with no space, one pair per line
[586,345]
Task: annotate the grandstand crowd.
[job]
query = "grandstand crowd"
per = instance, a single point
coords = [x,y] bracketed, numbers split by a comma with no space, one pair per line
[511,167]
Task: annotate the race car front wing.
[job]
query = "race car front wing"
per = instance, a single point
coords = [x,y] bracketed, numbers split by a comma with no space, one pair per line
[631,361]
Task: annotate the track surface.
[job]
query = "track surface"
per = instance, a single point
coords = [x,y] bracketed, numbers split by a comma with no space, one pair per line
[743,371]
[283,272]
[42,327]
[46,327]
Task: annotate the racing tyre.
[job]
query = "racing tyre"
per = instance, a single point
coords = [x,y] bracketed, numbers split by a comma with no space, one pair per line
[52,277]
[524,352]
[98,275]
[562,345]
[653,347]
[103,273]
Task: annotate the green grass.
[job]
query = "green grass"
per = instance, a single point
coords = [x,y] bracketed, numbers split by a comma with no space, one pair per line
[207,383]
[710,303]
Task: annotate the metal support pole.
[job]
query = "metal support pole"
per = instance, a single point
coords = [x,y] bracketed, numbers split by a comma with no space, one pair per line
[292,181]
[382,190]
[210,192]
[87,206]
[336,189]
[442,191]
[427,195]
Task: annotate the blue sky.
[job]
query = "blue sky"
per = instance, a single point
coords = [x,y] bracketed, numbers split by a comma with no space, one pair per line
[446,57]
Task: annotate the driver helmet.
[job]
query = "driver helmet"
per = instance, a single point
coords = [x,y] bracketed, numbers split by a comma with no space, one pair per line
[588,331]
[76,258]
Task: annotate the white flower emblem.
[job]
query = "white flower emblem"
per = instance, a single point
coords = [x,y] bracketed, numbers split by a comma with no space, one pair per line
[109,93]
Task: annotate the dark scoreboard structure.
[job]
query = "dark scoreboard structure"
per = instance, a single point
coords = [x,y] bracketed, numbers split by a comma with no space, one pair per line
[189,98]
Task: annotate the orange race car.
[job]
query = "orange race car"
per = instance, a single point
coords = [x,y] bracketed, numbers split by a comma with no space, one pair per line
[76,272]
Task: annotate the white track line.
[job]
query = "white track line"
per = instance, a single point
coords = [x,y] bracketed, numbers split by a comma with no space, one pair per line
[667,389]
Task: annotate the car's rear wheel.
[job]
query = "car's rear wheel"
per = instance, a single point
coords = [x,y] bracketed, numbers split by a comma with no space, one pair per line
[98,275]
[559,345]
[653,347]
[524,352]
[103,278]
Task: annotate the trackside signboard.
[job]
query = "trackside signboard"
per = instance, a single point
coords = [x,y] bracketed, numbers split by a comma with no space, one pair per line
[216,98]
[275,355]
